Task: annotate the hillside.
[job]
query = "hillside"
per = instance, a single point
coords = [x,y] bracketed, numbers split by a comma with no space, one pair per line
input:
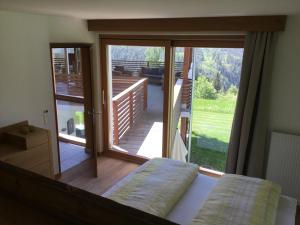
[210,62]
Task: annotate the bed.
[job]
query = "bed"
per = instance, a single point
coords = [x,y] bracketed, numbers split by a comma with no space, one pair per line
[186,209]
[183,207]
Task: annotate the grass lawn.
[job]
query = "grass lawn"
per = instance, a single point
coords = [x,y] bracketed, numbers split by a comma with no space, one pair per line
[211,127]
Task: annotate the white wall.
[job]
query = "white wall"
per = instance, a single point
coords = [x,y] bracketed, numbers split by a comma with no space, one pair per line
[25,75]
[285,84]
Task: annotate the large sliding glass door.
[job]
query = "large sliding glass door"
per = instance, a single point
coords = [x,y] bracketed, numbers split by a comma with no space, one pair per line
[192,86]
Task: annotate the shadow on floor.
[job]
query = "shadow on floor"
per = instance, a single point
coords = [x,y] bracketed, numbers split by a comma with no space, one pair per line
[206,142]
[211,157]
[71,155]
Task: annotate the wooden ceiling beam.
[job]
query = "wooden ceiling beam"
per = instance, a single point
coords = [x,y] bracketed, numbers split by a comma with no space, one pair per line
[234,23]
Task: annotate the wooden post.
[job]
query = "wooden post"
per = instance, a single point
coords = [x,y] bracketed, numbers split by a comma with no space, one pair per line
[116,123]
[145,94]
[75,66]
[131,108]
[185,70]
[183,129]
[66,61]
[186,90]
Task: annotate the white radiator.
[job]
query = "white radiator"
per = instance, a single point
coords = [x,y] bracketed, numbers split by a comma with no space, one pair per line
[284,163]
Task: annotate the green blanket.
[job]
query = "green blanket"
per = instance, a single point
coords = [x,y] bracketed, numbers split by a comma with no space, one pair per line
[240,200]
[155,187]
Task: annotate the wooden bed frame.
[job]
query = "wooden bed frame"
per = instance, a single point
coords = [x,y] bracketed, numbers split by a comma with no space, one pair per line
[61,203]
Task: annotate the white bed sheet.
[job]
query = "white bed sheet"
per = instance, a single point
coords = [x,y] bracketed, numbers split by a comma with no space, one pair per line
[187,208]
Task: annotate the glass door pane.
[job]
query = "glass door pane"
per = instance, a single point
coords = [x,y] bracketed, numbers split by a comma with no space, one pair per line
[217,78]
[137,93]
[70,118]
[205,94]
[73,102]
[68,72]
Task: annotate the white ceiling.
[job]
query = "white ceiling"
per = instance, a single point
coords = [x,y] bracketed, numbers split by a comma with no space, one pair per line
[109,9]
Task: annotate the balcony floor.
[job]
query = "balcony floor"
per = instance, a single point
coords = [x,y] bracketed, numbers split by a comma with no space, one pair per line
[145,138]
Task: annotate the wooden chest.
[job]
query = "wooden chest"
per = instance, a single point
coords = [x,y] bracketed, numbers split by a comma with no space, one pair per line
[27,148]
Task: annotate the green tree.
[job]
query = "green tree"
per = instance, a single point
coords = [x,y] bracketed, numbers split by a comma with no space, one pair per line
[153,55]
[217,82]
[204,88]
[232,90]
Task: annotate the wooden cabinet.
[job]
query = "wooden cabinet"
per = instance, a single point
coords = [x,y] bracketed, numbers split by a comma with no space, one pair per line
[27,147]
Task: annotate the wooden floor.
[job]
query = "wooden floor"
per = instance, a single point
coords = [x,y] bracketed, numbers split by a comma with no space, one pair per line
[110,171]
[145,138]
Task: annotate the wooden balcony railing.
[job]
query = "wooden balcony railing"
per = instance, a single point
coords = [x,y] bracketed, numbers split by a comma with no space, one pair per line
[135,66]
[127,105]
[186,96]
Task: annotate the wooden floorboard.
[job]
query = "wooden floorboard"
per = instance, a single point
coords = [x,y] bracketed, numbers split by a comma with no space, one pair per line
[110,171]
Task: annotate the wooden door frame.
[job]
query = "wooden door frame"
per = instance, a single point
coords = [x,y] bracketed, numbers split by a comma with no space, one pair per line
[104,42]
[169,42]
[88,100]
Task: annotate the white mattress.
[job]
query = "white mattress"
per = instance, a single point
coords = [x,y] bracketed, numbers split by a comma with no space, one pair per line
[187,208]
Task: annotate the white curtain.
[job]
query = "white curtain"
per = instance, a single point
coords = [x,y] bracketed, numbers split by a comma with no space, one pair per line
[179,151]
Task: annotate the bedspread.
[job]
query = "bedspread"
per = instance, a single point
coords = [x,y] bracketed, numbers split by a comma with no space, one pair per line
[240,200]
